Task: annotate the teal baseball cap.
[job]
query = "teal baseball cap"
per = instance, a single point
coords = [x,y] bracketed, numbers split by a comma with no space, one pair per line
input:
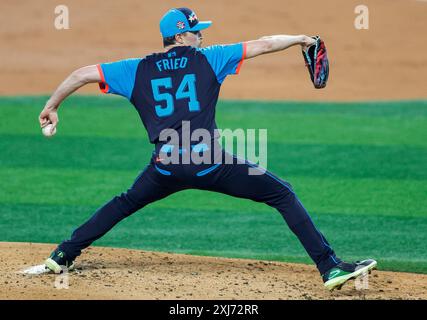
[180,20]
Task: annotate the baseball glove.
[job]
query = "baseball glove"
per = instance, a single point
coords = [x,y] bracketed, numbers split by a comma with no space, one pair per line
[316,60]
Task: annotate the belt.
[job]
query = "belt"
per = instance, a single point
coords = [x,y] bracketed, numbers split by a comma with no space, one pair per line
[168,148]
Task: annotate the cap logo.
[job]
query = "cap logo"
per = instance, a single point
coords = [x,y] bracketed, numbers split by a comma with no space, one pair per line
[180,25]
[192,17]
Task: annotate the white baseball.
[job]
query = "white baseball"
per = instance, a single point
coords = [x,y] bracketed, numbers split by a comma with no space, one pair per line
[46,130]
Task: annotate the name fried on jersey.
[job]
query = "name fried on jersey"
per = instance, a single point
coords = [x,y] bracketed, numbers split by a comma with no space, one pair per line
[172,63]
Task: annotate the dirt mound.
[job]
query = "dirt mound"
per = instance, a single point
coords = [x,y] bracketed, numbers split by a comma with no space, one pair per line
[387,61]
[109,273]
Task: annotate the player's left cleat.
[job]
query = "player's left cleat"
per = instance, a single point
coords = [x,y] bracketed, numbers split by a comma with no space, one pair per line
[340,274]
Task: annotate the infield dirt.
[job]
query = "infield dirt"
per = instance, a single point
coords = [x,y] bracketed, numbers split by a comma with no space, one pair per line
[110,273]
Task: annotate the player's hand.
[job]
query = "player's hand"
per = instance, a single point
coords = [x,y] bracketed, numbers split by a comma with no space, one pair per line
[47,116]
[306,42]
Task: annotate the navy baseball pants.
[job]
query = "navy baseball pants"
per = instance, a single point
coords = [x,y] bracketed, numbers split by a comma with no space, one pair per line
[158,181]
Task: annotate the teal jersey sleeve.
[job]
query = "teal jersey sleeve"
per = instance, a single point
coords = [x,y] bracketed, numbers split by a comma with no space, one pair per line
[118,77]
[225,59]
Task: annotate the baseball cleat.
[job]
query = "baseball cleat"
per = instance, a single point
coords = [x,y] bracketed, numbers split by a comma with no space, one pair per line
[337,276]
[57,261]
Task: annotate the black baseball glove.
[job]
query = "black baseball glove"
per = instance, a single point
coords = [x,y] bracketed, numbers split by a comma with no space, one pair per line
[316,60]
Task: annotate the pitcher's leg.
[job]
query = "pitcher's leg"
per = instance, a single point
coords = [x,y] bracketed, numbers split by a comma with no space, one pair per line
[146,189]
[234,180]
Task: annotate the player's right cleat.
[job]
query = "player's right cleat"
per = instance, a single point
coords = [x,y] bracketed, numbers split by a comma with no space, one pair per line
[57,261]
[340,274]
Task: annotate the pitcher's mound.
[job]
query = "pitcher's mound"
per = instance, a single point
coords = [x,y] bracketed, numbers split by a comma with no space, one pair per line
[109,273]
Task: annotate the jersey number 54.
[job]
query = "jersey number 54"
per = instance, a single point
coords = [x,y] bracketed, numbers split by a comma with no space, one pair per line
[186,90]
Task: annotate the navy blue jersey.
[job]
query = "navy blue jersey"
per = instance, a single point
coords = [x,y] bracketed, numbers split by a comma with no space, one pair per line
[179,85]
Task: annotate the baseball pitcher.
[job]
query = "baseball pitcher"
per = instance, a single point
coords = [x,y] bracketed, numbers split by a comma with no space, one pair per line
[175,93]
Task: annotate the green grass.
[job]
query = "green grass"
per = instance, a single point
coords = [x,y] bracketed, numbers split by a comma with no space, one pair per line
[359,168]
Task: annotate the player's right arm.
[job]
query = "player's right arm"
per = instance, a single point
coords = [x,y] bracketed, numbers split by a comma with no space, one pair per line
[74,81]
[275,43]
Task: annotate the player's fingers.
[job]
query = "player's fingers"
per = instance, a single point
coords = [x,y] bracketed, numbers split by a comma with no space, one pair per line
[44,118]
[43,122]
[54,124]
[41,119]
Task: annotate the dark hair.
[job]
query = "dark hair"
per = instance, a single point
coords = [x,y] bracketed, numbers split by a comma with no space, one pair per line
[168,41]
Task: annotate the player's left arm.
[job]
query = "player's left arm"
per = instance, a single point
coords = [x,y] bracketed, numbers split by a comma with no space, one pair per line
[275,43]
[74,81]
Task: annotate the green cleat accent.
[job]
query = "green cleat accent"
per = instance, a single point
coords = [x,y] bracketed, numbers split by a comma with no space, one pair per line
[337,276]
[57,262]
[55,267]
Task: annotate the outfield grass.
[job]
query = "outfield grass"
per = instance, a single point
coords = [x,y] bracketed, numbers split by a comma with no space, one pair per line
[360,169]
